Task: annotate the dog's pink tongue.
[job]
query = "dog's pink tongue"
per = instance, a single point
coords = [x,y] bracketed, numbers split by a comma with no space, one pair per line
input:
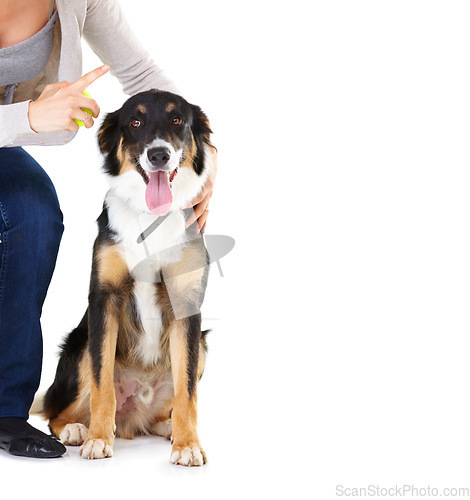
[158,194]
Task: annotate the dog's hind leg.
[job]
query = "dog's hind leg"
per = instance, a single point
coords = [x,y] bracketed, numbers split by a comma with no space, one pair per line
[162,427]
[185,336]
[69,433]
[69,425]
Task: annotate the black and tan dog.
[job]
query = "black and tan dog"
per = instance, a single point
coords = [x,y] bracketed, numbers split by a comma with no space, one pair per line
[132,365]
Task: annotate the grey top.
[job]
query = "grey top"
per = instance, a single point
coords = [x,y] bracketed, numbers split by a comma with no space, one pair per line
[27,59]
[104,27]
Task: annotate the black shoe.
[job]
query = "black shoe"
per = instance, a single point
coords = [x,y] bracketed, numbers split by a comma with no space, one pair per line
[21,439]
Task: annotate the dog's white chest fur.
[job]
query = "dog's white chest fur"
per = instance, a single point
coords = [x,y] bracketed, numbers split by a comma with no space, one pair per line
[144,260]
[150,316]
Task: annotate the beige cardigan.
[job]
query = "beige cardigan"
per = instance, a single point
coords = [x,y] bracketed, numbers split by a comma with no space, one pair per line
[102,24]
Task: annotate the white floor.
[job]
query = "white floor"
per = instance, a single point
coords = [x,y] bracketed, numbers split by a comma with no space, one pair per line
[243,462]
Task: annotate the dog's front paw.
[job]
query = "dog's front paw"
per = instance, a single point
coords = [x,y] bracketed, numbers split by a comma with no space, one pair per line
[73,434]
[96,448]
[188,455]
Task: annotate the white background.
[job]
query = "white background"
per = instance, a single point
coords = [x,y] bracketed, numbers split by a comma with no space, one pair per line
[339,352]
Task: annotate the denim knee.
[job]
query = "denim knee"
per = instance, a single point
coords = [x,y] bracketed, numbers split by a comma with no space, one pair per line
[45,213]
[34,217]
[27,194]
[32,230]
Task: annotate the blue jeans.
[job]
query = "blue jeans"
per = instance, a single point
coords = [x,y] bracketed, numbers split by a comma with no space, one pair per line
[30,232]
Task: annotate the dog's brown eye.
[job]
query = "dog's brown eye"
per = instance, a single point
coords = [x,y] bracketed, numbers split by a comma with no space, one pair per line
[177,121]
[136,123]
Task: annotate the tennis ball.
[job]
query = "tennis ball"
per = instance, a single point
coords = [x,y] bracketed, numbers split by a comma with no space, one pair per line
[80,123]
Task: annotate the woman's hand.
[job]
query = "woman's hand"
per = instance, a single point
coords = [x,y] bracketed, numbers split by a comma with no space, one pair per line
[200,204]
[59,103]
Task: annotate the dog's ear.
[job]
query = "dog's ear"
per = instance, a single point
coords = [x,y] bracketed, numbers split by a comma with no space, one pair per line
[201,130]
[108,135]
[201,126]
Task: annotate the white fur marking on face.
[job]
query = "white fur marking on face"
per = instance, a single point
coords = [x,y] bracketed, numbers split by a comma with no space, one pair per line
[175,156]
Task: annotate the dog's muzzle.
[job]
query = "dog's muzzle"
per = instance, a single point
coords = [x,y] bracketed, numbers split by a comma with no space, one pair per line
[159,158]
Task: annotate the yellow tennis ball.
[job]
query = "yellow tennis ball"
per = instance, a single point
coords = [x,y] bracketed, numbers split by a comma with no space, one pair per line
[80,123]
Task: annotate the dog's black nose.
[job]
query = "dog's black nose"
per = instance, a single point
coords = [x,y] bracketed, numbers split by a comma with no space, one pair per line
[158,157]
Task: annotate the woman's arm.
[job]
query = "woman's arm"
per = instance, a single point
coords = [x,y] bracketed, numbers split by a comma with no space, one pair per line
[13,122]
[111,38]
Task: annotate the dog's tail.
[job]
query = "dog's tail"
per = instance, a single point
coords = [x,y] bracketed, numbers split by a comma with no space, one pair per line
[37,408]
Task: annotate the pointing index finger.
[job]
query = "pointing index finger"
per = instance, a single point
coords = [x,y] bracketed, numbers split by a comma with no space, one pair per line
[87,79]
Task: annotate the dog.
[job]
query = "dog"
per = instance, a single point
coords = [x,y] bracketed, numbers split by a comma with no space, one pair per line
[132,365]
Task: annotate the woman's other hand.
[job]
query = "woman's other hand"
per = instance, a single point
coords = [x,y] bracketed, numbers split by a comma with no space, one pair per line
[200,204]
